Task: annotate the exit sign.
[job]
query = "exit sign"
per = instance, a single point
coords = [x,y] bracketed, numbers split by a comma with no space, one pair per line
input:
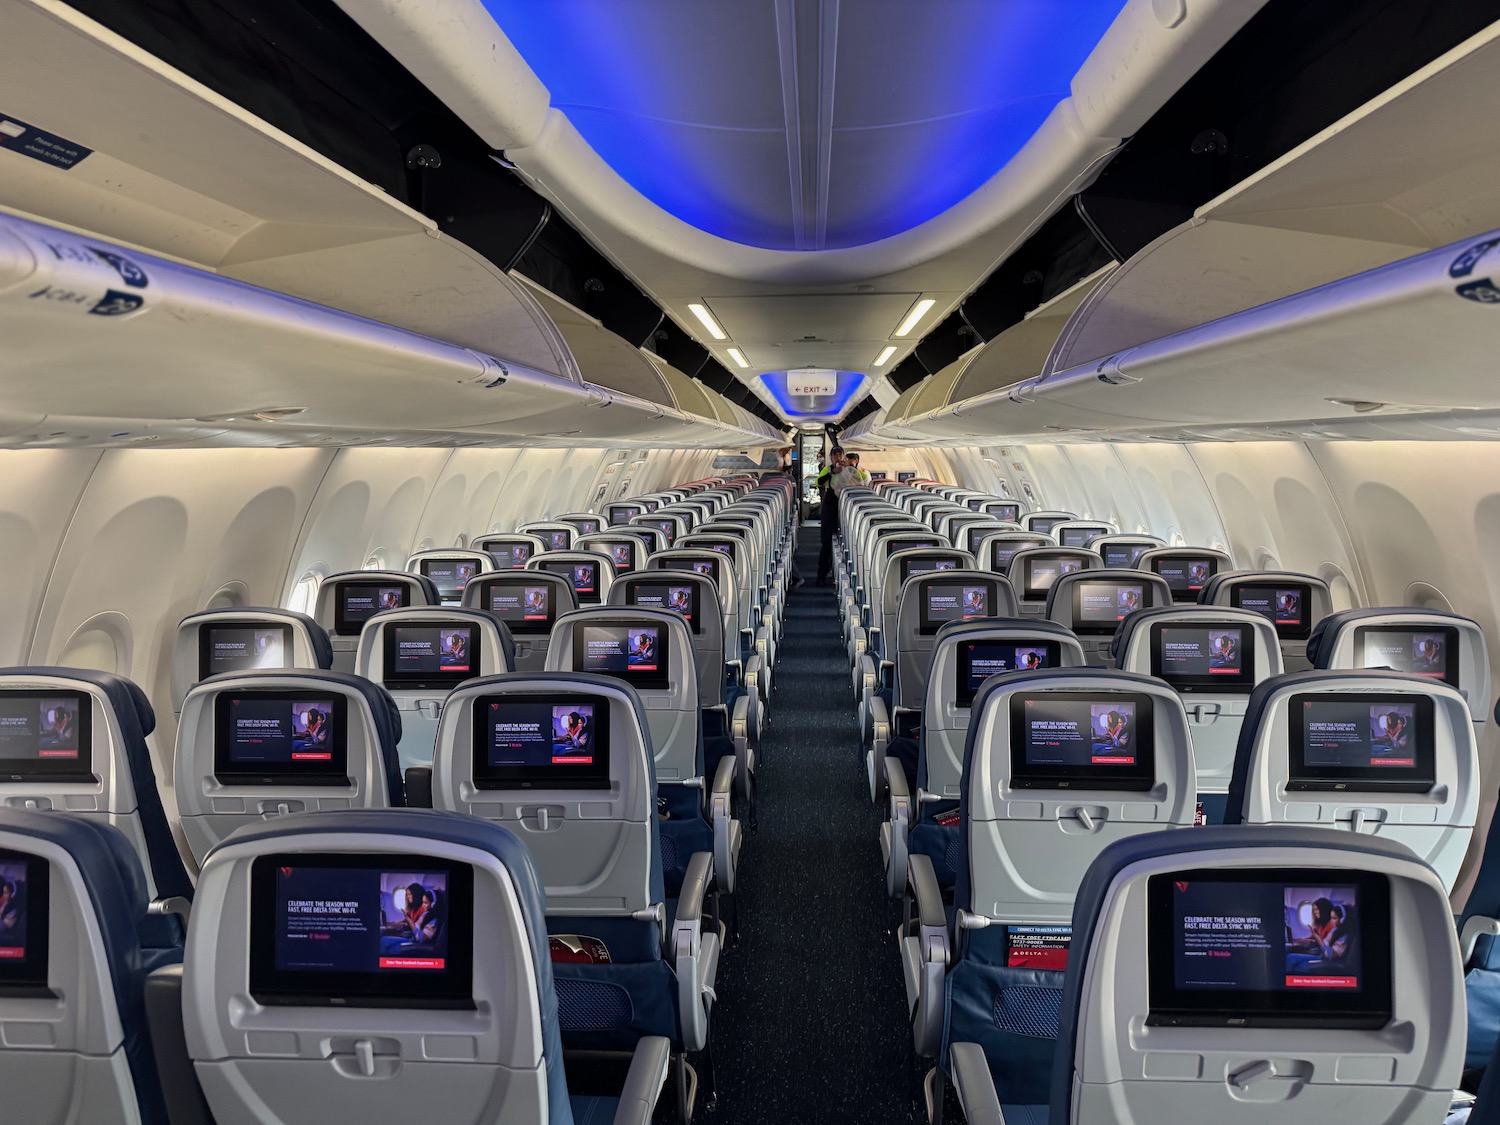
[812,381]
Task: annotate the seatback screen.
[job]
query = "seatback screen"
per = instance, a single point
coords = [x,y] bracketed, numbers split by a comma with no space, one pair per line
[667,527]
[356,602]
[1003,550]
[583,575]
[24,909]
[440,655]
[362,931]
[509,556]
[943,603]
[636,653]
[1361,741]
[46,735]
[622,553]
[924,565]
[240,645]
[450,576]
[1269,948]
[1123,556]
[622,514]
[272,737]
[896,545]
[541,742]
[586,526]
[709,568]
[1042,571]
[1286,604]
[525,608]
[1185,575]
[1045,524]
[1010,513]
[979,660]
[1080,740]
[1208,657]
[1099,607]
[679,598]
[1082,536]
[1428,650]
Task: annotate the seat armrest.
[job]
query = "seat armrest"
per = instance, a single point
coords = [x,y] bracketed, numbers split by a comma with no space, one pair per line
[881,683]
[1476,927]
[974,1084]
[931,955]
[929,896]
[419,787]
[686,948]
[901,802]
[726,829]
[700,873]
[644,1081]
[179,1081]
[878,731]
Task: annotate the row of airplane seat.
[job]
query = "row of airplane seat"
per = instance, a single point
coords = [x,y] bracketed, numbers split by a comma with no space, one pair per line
[574,816]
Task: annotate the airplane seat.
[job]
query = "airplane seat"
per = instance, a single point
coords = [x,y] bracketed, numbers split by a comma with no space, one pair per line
[1010,511]
[591,572]
[420,655]
[924,770]
[1186,569]
[652,651]
[450,570]
[744,645]
[622,512]
[1094,603]
[76,946]
[460,1013]
[529,602]
[995,549]
[346,601]
[1213,656]
[1081,533]
[1371,1031]
[747,569]
[554,534]
[974,533]
[585,523]
[509,551]
[1124,551]
[1370,753]
[228,640]
[914,609]
[1057,764]
[867,607]
[262,745]
[1044,521]
[1423,642]
[84,754]
[626,551]
[631,957]
[1033,570]
[1293,602]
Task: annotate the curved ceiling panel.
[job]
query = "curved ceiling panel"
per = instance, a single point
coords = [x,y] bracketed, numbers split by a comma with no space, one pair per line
[805,129]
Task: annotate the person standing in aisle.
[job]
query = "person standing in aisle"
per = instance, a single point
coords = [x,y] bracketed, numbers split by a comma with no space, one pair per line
[830,512]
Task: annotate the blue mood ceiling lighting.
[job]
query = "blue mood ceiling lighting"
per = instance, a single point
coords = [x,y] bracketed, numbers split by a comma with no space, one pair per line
[801,407]
[805,125]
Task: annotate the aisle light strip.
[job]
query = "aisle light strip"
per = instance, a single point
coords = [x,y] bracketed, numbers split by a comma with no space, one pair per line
[738,357]
[708,321]
[885,354]
[918,311]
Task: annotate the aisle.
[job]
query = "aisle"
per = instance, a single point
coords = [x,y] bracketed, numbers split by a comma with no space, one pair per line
[811,1025]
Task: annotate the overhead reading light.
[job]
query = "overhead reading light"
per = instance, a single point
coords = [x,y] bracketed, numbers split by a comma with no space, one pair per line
[738,357]
[708,321]
[918,311]
[885,354]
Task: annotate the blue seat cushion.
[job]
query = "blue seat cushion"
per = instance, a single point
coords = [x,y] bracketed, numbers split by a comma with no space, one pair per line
[593,1111]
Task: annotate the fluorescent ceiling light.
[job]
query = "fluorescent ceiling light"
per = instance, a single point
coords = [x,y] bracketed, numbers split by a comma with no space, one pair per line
[707,318]
[885,354]
[918,311]
[738,357]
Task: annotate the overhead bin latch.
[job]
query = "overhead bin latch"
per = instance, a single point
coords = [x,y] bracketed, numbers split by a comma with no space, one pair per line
[1109,371]
[492,372]
[1024,392]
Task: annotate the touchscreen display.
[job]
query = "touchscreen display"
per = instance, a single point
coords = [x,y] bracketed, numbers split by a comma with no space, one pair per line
[24,912]
[622,554]
[1042,571]
[1207,657]
[1099,607]
[524,608]
[585,525]
[636,653]
[450,576]
[1062,740]
[1003,550]
[925,566]
[668,528]
[1007,512]
[979,660]
[1277,948]
[1431,650]
[1348,741]
[943,603]
[1185,575]
[706,567]
[681,599]
[584,577]
[622,514]
[509,556]
[362,931]
[237,646]
[268,737]
[1285,604]
[430,655]
[1082,536]
[357,602]
[1123,556]
[541,742]
[1045,524]
[46,735]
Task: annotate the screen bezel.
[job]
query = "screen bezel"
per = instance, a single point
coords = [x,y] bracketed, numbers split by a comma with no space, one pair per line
[640,510]
[522,627]
[508,542]
[1131,547]
[1105,628]
[656,680]
[1284,630]
[694,622]
[927,626]
[27,978]
[342,625]
[686,566]
[1104,530]
[1019,546]
[1419,778]
[1050,521]
[334,772]
[1140,777]
[489,777]
[1363,633]
[1241,683]
[634,544]
[905,571]
[1186,594]
[962,696]
[292,988]
[1031,592]
[448,592]
[1173,1007]
[205,642]
[393,679]
[57,770]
